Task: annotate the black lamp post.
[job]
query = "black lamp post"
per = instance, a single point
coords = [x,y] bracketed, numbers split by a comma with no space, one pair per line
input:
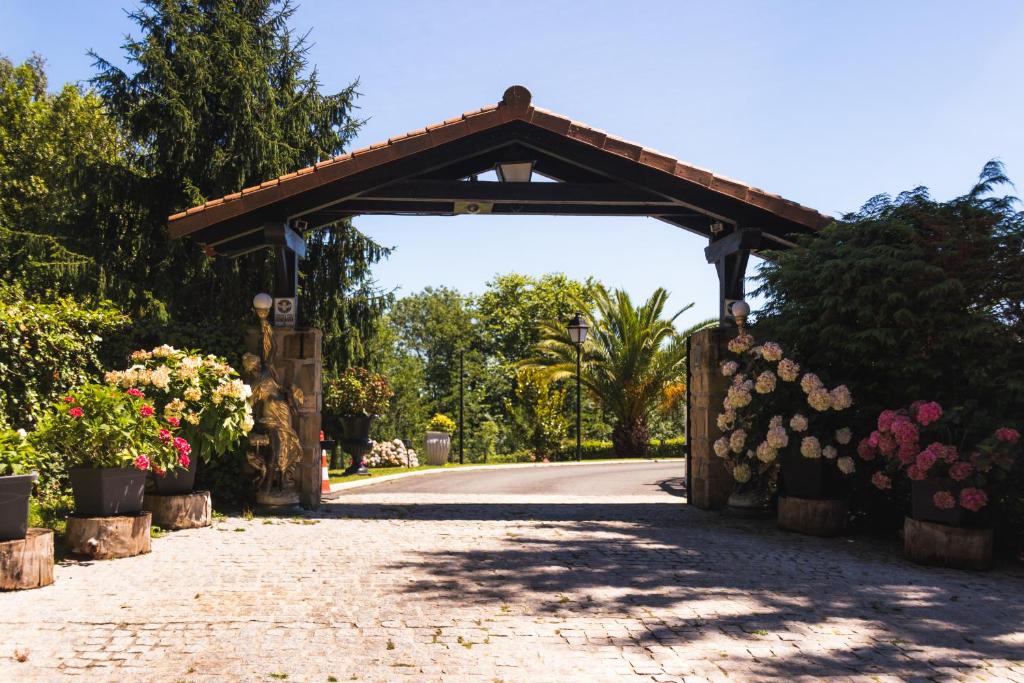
[578,335]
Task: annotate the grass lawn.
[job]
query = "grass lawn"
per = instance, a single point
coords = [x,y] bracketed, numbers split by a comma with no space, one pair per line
[337,478]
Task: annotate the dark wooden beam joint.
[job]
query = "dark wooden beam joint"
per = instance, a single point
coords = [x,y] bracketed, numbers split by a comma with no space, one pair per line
[280,235]
[286,272]
[730,255]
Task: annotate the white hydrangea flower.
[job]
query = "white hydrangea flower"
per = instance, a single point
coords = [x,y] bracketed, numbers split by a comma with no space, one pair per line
[846,465]
[829,452]
[843,436]
[810,447]
[798,423]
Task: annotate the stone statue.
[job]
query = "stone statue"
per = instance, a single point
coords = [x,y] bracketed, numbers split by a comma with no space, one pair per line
[275,409]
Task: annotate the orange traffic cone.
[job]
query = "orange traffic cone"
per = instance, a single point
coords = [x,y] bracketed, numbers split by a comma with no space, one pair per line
[325,476]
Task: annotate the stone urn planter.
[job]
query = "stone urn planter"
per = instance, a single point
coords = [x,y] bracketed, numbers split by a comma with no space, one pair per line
[14,496]
[107,491]
[356,441]
[439,445]
[176,482]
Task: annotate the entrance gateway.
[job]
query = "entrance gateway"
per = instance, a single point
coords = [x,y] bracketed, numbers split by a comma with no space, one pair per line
[433,172]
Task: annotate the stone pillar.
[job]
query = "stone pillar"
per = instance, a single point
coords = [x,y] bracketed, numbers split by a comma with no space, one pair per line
[711,482]
[299,363]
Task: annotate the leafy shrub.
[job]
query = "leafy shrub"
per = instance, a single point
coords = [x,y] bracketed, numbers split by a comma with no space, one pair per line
[17,456]
[442,423]
[357,391]
[514,457]
[103,426]
[596,450]
[203,395]
[46,349]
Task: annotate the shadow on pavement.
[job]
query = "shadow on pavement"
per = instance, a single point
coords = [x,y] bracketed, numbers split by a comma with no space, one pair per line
[664,561]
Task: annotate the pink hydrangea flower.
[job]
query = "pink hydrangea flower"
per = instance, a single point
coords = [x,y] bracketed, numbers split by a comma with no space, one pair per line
[173,421]
[960,471]
[146,411]
[881,481]
[183,460]
[873,439]
[865,450]
[1008,435]
[76,412]
[887,444]
[885,420]
[142,462]
[928,412]
[915,473]
[944,500]
[907,453]
[182,446]
[905,431]
[164,435]
[973,499]
[137,393]
[925,459]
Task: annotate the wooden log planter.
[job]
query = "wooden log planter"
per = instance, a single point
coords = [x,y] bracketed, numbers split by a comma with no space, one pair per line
[27,562]
[108,538]
[947,546]
[187,511]
[812,517]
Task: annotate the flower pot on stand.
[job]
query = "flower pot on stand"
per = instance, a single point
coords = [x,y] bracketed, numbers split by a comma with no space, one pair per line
[356,441]
[439,445]
[107,491]
[176,482]
[14,496]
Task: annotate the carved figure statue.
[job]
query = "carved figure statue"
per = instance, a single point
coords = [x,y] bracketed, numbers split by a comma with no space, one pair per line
[274,409]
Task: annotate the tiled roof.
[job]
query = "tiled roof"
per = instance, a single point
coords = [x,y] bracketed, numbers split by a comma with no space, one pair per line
[515,105]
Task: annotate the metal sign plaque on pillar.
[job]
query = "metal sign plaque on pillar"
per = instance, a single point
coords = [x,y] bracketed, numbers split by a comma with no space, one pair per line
[285,311]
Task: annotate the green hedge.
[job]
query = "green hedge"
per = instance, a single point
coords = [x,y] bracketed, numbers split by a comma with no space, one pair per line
[47,348]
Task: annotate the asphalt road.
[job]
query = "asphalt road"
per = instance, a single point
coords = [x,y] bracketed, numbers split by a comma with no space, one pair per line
[639,478]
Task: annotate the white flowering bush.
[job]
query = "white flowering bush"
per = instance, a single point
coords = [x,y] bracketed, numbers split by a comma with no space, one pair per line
[391,454]
[202,395]
[774,408]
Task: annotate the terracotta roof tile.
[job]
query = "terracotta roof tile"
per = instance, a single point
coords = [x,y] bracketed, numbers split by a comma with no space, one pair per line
[515,105]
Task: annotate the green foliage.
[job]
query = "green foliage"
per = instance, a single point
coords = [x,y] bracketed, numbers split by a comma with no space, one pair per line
[441,423]
[357,391]
[17,455]
[539,412]
[630,356]
[45,349]
[204,395]
[591,449]
[103,426]
[910,298]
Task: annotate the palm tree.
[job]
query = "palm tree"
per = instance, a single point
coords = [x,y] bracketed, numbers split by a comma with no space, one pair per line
[630,356]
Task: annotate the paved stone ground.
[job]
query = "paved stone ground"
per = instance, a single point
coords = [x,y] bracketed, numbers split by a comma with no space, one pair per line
[391,586]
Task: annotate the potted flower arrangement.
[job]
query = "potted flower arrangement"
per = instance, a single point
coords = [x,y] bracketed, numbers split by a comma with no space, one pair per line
[950,483]
[17,459]
[111,437]
[355,397]
[782,428]
[439,440]
[201,396]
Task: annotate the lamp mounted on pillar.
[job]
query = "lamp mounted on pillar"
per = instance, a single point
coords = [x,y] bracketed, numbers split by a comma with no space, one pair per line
[730,254]
[740,311]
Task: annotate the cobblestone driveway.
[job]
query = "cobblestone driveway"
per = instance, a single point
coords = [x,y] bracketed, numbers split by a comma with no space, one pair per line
[430,587]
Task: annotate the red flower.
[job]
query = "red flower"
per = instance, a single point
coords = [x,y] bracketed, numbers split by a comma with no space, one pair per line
[69,399]
[182,446]
[944,500]
[881,481]
[865,450]
[159,471]
[142,463]
[960,471]
[1010,436]
[174,422]
[76,412]
[165,435]
[183,460]
[137,393]
[973,499]
[146,411]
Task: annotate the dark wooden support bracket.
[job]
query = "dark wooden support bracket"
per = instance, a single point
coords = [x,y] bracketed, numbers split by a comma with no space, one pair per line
[730,255]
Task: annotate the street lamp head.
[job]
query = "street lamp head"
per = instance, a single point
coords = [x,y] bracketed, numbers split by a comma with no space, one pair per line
[262,302]
[578,329]
[740,310]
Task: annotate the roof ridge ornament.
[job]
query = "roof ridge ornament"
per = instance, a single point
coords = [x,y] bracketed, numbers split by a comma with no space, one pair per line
[516,96]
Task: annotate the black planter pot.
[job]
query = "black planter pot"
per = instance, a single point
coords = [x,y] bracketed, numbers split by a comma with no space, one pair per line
[357,440]
[107,491]
[809,478]
[14,495]
[177,482]
[922,507]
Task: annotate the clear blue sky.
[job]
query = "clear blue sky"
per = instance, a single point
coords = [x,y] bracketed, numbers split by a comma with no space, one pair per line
[825,103]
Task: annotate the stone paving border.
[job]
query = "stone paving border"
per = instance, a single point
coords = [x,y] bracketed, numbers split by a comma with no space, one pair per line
[370,481]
